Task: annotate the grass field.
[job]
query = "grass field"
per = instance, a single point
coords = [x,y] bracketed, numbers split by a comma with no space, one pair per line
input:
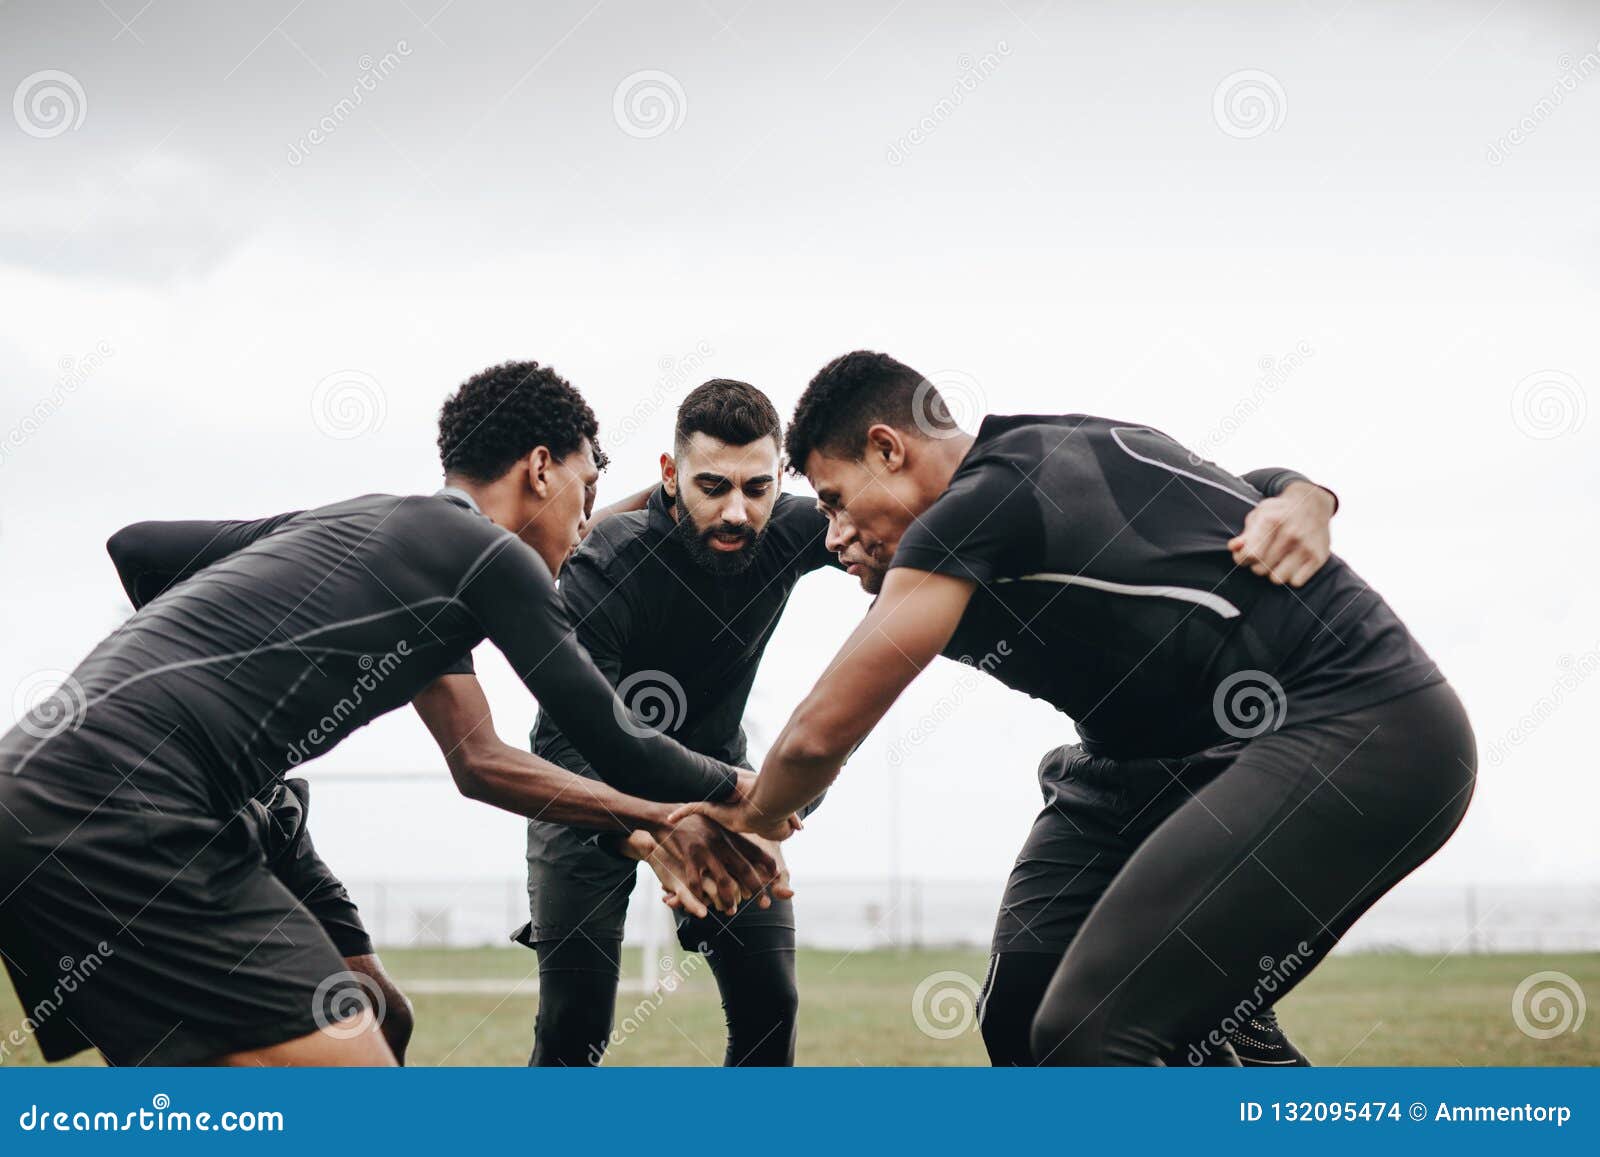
[856,1009]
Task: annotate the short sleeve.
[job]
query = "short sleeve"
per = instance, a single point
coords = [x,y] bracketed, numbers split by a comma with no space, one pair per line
[985,526]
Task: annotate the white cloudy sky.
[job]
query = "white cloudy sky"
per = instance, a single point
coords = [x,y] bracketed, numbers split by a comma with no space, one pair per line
[1090,227]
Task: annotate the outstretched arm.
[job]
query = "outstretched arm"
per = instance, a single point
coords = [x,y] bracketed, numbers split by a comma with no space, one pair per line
[702,858]
[909,624]
[512,595]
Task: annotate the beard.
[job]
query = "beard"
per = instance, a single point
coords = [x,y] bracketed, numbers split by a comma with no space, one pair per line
[872,579]
[696,539]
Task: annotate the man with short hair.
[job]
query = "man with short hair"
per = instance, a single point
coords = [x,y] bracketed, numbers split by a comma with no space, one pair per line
[1106,556]
[120,797]
[676,603]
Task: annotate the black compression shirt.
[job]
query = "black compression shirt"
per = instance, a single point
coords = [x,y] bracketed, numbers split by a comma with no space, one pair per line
[313,625]
[675,636]
[1106,589]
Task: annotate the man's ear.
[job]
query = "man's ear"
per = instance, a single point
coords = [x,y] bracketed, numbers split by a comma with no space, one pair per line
[887,446]
[539,463]
[669,474]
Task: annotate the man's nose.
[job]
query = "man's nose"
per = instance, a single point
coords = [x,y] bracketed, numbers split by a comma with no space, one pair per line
[838,535]
[736,511]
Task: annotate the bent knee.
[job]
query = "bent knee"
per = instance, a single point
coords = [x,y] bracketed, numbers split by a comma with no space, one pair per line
[1062,1034]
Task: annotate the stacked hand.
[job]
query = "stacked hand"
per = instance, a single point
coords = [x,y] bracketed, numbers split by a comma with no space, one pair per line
[738,813]
[702,866]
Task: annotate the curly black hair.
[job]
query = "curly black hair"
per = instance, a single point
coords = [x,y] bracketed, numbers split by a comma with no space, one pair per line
[847,397]
[501,415]
[733,412]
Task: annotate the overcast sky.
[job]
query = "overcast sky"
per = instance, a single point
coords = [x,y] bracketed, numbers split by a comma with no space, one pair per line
[246,250]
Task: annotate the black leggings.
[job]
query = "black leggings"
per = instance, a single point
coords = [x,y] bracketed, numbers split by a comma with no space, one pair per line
[1246,887]
[754,969]
[1015,988]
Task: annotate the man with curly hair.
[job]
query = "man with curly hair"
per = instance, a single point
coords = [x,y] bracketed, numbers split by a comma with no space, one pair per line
[260,646]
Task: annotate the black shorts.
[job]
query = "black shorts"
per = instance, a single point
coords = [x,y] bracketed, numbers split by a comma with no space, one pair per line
[156,937]
[1097,812]
[281,814]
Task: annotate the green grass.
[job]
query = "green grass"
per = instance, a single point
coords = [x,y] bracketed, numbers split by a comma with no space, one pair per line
[856,1008]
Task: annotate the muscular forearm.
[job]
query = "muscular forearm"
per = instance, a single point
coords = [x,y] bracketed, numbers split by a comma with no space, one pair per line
[526,785]
[805,759]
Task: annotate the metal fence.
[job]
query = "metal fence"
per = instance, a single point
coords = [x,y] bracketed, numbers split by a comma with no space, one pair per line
[916,913]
